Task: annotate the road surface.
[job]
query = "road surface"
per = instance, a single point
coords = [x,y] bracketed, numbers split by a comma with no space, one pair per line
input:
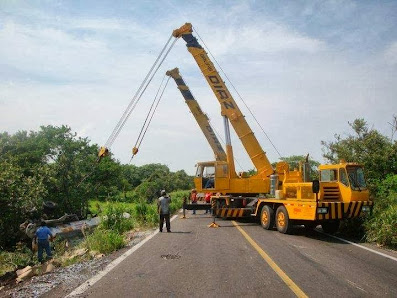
[240,258]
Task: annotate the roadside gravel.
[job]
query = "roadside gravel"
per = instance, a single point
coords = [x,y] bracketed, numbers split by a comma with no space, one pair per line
[62,281]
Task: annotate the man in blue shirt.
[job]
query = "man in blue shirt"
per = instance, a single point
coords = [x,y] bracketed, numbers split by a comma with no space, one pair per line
[43,243]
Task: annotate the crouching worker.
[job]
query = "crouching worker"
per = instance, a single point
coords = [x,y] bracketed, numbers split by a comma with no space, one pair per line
[163,205]
[43,235]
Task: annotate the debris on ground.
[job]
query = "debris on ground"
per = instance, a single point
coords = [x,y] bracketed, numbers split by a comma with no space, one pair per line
[50,280]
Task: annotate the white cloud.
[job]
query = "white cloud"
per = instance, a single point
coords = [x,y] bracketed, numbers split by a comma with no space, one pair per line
[83,71]
[391,54]
[266,37]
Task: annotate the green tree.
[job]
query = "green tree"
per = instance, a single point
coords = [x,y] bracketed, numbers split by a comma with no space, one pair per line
[366,146]
[72,175]
[69,159]
[294,162]
[378,154]
[20,197]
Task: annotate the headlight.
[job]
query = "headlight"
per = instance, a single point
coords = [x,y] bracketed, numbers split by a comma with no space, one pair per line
[365,209]
[322,210]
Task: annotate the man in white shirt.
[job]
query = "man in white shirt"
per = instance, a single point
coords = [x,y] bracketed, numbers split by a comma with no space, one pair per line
[163,205]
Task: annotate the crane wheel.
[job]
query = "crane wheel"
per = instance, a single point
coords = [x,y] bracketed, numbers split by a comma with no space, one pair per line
[267,217]
[283,222]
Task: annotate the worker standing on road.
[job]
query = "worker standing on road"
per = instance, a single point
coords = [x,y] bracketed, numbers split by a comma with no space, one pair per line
[208,201]
[43,235]
[163,205]
[193,198]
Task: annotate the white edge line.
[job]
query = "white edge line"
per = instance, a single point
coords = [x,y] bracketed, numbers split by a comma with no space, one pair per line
[361,246]
[89,283]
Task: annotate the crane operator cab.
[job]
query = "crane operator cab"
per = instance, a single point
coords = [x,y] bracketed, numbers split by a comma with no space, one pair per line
[211,175]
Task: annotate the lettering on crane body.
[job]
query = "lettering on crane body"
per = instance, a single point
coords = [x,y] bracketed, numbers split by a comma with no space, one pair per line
[207,62]
[217,84]
[214,138]
[220,88]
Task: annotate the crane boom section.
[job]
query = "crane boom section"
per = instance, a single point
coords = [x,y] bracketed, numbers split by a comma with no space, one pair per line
[201,118]
[228,105]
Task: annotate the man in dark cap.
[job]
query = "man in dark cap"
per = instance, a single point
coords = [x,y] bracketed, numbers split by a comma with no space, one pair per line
[163,205]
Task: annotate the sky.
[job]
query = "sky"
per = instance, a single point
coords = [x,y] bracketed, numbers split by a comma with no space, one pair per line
[304,68]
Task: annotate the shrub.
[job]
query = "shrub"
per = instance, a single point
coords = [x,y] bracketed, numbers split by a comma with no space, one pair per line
[10,261]
[104,241]
[140,211]
[152,217]
[114,219]
[146,213]
[177,199]
[353,228]
[382,227]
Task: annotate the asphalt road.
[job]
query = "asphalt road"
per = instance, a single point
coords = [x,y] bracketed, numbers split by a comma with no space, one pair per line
[197,261]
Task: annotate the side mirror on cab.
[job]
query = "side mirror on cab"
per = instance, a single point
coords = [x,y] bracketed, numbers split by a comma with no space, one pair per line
[316,186]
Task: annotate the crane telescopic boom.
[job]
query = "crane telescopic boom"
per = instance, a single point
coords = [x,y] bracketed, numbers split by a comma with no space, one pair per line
[201,118]
[229,107]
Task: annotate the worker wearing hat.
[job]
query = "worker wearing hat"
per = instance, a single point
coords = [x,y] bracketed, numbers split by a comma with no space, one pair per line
[163,205]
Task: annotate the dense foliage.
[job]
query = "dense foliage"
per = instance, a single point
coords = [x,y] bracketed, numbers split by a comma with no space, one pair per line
[368,147]
[54,164]
[382,225]
[378,154]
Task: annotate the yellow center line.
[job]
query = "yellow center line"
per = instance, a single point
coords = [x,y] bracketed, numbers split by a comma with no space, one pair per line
[298,292]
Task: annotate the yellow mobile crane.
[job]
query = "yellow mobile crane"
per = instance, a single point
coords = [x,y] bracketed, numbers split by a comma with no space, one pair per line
[201,118]
[277,196]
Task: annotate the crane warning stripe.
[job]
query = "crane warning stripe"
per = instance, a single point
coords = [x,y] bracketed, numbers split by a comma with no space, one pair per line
[233,212]
[358,209]
[340,210]
[352,209]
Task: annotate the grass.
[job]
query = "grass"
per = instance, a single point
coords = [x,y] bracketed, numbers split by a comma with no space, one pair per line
[10,261]
[106,238]
[104,241]
[382,226]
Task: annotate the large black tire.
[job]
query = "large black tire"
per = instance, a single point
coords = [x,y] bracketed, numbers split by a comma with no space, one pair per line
[283,222]
[267,217]
[330,227]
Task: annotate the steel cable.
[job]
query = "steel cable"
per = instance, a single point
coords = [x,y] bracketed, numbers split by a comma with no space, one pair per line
[241,98]
[148,114]
[128,110]
[143,91]
[140,139]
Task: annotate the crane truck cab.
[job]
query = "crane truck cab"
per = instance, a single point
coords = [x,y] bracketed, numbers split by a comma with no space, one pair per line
[343,182]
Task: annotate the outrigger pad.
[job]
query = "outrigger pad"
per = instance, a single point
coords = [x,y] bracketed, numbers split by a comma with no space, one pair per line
[213,225]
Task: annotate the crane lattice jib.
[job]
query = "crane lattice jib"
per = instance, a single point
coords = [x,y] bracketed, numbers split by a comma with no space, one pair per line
[201,118]
[228,105]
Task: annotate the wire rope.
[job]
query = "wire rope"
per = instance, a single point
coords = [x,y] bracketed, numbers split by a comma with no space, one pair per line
[149,117]
[148,114]
[143,91]
[132,104]
[241,98]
